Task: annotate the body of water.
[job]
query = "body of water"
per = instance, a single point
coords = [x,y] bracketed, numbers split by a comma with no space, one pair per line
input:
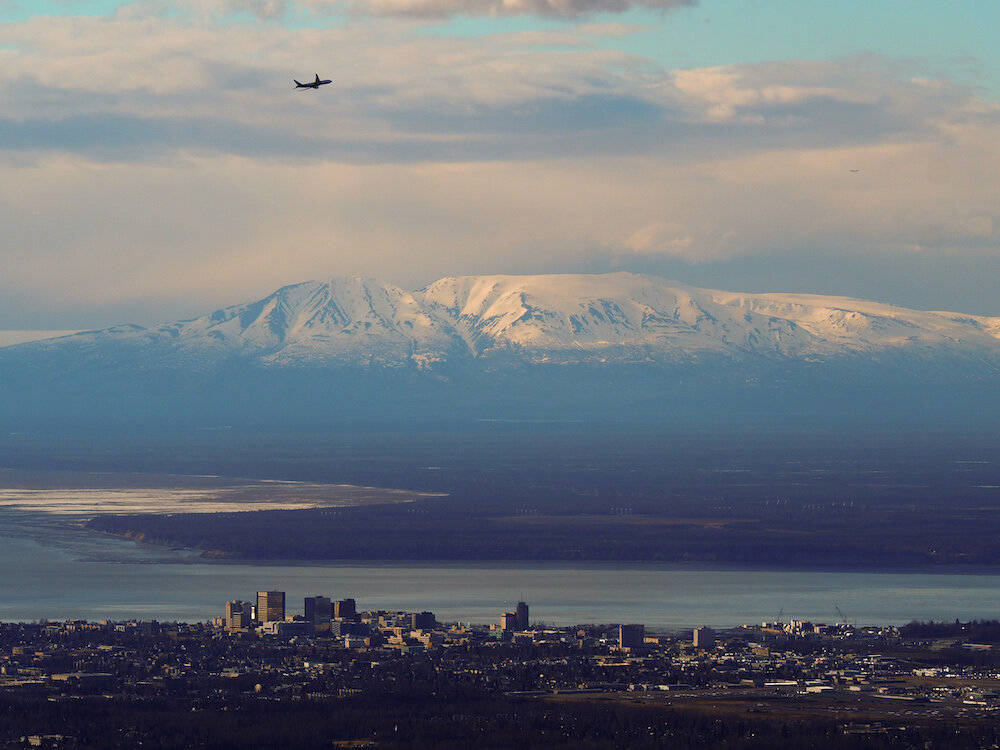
[58,580]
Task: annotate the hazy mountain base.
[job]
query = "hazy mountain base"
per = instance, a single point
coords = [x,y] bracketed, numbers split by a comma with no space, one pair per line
[595,348]
[144,389]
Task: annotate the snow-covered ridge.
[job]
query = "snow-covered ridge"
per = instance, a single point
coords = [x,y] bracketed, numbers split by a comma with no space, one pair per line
[12,338]
[627,310]
[558,318]
[352,319]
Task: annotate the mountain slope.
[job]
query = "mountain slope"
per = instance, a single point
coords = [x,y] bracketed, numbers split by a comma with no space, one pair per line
[596,318]
[558,347]
[618,313]
[10,338]
[354,320]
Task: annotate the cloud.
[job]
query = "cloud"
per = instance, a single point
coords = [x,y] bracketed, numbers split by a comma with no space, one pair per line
[169,239]
[270,10]
[266,10]
[125,87]
[152,167]
[132,87]
[661,238]
[550,8]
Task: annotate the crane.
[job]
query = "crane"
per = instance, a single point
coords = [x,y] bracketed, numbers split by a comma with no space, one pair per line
[843,617]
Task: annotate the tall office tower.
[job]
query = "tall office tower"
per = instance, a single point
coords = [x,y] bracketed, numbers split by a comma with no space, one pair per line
[270,606]
[422,620]
[238,615]
[522,616]
[508,621]
[318,611]
[345,609]
[704,637]
[631,636]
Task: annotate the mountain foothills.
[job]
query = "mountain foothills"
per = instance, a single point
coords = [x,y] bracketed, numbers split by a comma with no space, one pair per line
[614,346]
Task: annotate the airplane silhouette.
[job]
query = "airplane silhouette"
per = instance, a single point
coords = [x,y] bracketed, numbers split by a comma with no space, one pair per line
[312,84]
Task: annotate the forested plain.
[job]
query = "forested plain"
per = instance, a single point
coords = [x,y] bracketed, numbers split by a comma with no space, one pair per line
[575,492]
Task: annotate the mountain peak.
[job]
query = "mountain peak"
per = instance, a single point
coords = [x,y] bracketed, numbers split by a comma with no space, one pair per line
[346,319]
[570,346]
[553,318]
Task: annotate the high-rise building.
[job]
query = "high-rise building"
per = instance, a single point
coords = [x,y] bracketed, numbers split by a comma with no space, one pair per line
[422,620]
[318,611]
[345,609]
[238,615]
[631,636]
[346,627]
[522,616]
[704,637]
[270,606]
[508,621]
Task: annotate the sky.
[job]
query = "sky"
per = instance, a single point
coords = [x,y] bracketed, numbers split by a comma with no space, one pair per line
[157,163]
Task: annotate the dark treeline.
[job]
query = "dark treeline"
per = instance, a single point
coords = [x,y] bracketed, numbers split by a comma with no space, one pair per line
[984,631]
[556,525]
[402,722]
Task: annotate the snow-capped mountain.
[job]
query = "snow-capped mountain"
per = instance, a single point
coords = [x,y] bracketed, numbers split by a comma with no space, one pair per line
[10,338]
[574,348]
[551,318]
[621,311]
[353,320]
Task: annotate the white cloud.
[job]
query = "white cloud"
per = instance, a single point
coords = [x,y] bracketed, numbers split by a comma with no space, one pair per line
[661,238]
[274,9]
[442,8]
[127,87]
[265,10]
[168,163]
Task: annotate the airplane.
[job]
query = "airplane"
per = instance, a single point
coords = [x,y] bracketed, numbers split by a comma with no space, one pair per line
[312,84]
